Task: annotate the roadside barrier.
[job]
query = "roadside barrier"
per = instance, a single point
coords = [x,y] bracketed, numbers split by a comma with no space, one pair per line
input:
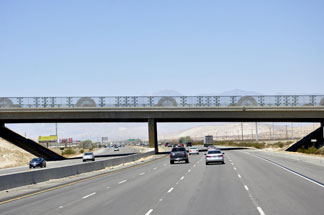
[32,177]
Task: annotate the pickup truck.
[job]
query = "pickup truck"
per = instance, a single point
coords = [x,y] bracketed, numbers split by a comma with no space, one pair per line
[178,154]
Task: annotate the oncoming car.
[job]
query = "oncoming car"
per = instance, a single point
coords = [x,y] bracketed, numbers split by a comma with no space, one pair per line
[37,162]
[88,156]
[214,156]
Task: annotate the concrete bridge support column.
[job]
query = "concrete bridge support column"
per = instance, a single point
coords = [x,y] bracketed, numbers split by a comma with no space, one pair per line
[152,129]
[322,126]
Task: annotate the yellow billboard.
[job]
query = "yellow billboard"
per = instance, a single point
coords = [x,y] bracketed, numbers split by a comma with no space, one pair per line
[47,139]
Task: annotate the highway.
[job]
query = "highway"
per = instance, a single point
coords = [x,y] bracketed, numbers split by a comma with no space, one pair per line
[102,154]
[251,182]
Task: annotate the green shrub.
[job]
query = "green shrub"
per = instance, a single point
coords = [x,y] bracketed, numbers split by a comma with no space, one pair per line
[81,151]
[68,151]
[309,150]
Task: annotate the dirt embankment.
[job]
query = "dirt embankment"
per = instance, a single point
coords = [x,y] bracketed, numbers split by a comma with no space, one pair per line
[12,156]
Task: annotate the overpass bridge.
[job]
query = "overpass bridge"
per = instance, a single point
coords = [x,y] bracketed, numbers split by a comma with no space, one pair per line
[154,109]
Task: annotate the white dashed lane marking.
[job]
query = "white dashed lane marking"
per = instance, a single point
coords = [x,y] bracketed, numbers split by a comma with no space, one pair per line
[84,197]
[246,187]
[142,173]
[260,211]
[121,182]
[170,190]
[149,212]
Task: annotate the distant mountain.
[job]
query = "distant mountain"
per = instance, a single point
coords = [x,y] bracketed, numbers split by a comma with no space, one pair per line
[224,131]
[238,92]
[165,92]
[235,92]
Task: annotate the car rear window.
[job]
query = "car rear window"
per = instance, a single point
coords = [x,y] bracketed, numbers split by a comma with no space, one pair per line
[214,152]
[178,149]
[88,153]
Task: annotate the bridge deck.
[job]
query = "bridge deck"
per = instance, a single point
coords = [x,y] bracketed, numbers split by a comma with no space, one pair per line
[174,114]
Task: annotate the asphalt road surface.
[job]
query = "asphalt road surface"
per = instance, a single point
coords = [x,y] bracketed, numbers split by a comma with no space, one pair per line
[102,154]
[249,183]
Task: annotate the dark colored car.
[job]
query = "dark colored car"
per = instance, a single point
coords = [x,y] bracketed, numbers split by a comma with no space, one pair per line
[178,154]
[166,144]
[37,162]
[189,144]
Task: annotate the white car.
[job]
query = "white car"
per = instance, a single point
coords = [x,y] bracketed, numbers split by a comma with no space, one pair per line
[88,156]
[214,156]
[116,148]
[193,150]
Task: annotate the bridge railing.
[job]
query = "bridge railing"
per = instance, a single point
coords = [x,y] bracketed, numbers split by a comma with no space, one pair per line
[162,101]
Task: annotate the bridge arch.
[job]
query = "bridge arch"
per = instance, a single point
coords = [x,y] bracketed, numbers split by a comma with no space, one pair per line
[247,101]
[167,101]
[5,102]
[85,102]
[322,102]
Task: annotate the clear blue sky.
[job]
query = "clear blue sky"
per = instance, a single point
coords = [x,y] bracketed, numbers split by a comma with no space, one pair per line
[119,47]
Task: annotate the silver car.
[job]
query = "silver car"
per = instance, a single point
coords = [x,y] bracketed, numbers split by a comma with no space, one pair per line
[214,156]
[88,156]
[193,150]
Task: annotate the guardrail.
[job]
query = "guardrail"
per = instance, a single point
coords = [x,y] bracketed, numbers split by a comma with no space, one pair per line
[162,101]
[31,177]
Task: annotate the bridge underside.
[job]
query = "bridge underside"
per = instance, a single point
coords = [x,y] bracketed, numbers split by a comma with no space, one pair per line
[151,116]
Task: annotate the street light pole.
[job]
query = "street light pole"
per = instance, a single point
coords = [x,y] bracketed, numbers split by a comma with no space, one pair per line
[56,135]
[242,129]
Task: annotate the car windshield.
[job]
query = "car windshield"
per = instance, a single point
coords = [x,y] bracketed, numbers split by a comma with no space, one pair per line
[178,149]
[214,152]
[88,153]
[36,159]
[194,148]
